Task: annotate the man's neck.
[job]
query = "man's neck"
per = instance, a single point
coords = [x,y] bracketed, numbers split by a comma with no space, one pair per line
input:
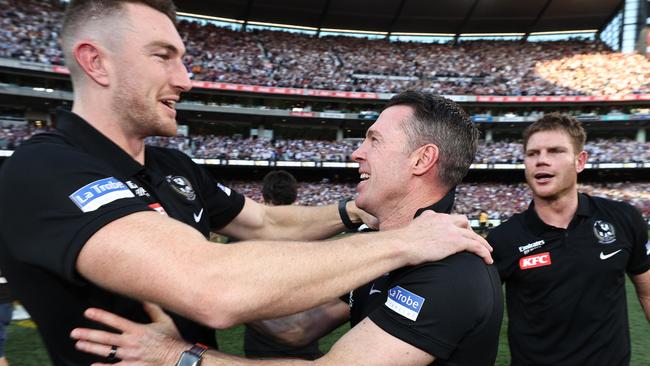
[402,212]
[103,120]
[557,212]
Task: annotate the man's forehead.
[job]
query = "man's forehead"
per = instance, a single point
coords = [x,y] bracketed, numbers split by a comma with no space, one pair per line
[380,128]
[548,138]
[153,27]
[391,118]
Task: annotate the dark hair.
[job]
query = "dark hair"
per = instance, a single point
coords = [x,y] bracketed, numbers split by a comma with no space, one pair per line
[559,122]
[279,187]
[81,12]
[442,122]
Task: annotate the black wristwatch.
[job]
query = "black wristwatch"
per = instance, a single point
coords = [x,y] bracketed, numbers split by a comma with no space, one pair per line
[345,218]
[193,356]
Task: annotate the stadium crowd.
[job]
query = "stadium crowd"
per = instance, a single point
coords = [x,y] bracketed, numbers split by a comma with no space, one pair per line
[500,201]
[225,147]
[12,136]
[613,150]
[29,31]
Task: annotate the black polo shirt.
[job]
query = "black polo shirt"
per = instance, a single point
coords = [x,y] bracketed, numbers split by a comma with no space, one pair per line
[565,288]
[451,309]
[58,189]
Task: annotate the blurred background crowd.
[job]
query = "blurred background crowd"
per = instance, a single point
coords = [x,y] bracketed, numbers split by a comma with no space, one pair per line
[29,31]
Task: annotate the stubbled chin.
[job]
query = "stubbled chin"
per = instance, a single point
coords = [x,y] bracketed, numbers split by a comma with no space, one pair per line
[544,191]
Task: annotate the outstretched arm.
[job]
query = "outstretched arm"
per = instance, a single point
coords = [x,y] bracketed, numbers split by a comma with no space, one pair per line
[257,221]
[155,345]
[150,257]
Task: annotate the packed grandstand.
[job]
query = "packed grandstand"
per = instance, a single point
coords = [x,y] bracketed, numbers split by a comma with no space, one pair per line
[612,150]
[500,201]
[270,58]
[30,32]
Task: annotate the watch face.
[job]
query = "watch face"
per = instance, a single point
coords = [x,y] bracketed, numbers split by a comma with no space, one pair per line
[189,359]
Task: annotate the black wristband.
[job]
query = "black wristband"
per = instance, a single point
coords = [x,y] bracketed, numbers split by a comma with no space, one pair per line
[345,218]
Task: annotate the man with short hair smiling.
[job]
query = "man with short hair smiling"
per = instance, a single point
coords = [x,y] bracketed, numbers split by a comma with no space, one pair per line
[93,217]
[564,259]
[439,313]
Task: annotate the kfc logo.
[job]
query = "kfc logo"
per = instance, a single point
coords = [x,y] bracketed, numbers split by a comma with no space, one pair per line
[534,261]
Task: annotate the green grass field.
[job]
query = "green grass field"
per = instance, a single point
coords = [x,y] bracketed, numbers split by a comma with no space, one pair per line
[24,347]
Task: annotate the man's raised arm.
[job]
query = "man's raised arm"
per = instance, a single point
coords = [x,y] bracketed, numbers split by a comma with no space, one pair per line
[150,257]
[290,222]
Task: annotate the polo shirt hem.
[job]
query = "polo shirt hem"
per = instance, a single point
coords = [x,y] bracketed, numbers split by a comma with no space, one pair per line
[640,270]
[434,347]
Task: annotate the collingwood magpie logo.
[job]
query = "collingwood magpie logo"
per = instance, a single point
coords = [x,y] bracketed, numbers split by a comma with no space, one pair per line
[604,232]
[182,186]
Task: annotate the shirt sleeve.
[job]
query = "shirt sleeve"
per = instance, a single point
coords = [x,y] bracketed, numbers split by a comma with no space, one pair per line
[59,197]
[223,203]
[502,253]
[640,257]
[434,306]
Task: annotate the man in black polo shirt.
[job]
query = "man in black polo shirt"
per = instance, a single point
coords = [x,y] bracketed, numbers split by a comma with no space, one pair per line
[440,313]
[92,217]
[564,259]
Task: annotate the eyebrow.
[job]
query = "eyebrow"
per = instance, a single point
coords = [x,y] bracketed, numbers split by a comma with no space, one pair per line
[557,147]
[162,44]
[371,133]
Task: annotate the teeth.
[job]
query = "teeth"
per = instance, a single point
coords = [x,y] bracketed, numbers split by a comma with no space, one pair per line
[169,103]
[365,176]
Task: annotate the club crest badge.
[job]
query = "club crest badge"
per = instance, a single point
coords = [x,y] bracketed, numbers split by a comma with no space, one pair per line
[604,232]
[182,186]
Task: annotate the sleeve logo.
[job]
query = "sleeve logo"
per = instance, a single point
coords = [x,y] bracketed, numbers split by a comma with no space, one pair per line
[404,302]
[99,193]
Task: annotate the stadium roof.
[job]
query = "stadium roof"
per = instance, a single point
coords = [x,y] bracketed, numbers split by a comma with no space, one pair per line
[417,16]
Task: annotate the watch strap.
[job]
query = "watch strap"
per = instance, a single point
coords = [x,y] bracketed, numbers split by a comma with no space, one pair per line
[345,218]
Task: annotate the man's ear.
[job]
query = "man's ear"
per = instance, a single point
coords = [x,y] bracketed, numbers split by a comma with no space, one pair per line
[581,160]
[426,158]
[91,59]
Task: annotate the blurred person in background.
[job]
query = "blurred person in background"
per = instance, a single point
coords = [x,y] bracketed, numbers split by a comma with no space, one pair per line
[279,188]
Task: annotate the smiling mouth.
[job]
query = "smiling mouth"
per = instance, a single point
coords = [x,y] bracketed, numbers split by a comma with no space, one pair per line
[171,104]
